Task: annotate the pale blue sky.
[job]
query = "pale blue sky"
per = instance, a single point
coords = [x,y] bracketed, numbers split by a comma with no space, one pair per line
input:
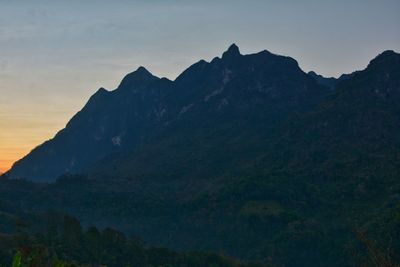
[55,54]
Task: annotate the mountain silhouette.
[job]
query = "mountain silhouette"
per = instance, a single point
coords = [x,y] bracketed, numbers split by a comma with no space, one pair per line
[245,154]
[144,106]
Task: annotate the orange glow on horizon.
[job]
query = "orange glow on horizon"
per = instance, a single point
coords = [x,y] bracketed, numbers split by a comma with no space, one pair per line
[24,128]
[6,164]
[11,152]
[13,149]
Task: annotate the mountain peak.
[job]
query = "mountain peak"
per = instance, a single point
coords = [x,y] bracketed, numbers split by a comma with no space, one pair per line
[143,71]
[140,73]
[386,57]
[388,53]
[232,51]
[139,76]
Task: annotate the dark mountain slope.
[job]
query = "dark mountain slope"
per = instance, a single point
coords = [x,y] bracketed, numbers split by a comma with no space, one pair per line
[233,88]
[229,116]
[361,119]
[109,122]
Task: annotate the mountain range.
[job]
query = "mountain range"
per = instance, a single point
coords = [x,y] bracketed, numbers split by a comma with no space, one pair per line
[144,107]
[245,154]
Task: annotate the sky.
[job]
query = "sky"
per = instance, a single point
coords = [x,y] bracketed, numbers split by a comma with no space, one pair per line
[55,54]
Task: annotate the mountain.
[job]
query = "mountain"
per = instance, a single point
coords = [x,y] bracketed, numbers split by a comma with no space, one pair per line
[271,175]
[144,106]
[109,122]
[328,82]
[245,155]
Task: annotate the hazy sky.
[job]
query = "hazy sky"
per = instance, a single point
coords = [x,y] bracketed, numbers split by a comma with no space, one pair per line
[55,54]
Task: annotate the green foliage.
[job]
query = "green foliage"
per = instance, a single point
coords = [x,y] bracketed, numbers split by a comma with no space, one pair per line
[71,246]
[17,260]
